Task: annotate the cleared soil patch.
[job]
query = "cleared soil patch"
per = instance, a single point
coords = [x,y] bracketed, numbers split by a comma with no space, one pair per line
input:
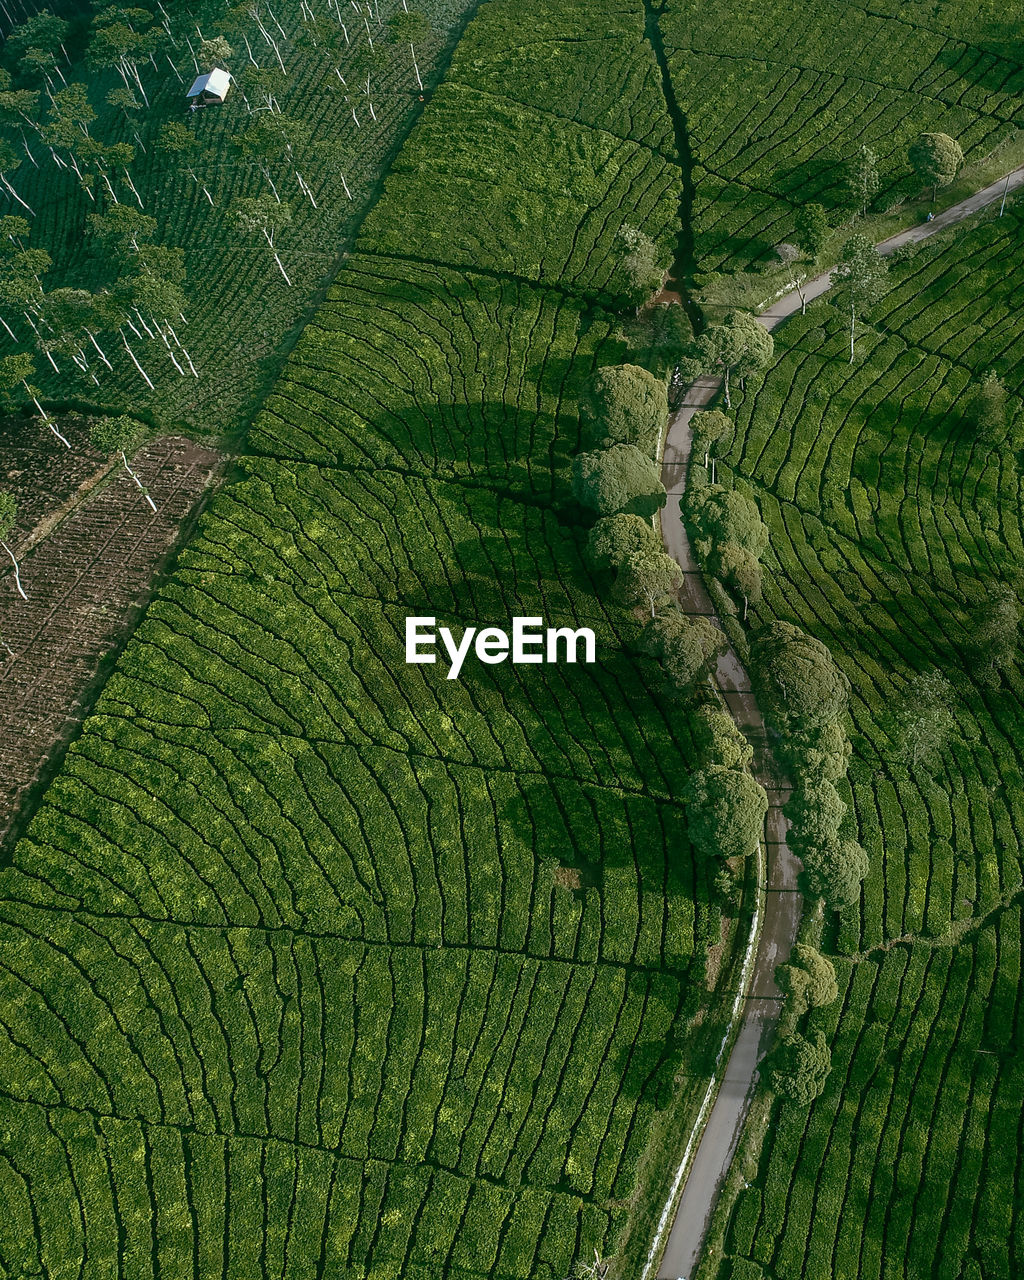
[90,566]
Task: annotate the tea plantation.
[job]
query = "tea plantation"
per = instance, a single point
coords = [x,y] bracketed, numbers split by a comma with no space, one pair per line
[239,310]
[778,97]
[893,524]
[315,963]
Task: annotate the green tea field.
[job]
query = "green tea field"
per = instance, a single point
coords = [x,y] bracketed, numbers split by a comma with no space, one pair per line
[892,525]
[319,964]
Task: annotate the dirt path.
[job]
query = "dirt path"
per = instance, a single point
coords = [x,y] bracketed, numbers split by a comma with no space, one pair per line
[757,1006]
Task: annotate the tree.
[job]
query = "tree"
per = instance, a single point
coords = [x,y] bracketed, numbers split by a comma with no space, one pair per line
[860,279]
[624,404]
[741,345]
[996,629]
[727,515]
[643,267]
[935,158]
[617,479]
[687,648]
[725,811]
[34,44]
[812,228]
[988,408]
[263,214]
[121,435]
[798,685]
[117,44]
[613,538]
[923,718]
[648,577]
[739,570]
[816,812]
[409,27]
[213,53]
[861,179]
[719,740]
[707,427]
[808,980]
[799,1067]
[789,255]
[8,519]
[122,230]
[834,871]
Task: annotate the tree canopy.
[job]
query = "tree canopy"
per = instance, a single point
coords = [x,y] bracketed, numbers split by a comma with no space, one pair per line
[648,578]
[613,538]
[800,1067]
[686,648]
[719,739]
[808,980]
[624,404]
[936,158]
[859,279]
[834,871]
[988,408]
[798,684]
[725,811]
[617,479]
[740,346]
[812,228]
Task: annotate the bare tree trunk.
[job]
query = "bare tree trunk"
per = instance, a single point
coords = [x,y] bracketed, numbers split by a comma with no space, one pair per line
[415,66]
[853,323]
[728,402]
[17,572]
[282,270]
[102,353]
[137,481]
[135,362]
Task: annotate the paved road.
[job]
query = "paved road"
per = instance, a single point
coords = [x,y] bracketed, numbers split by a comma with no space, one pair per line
[759,1008]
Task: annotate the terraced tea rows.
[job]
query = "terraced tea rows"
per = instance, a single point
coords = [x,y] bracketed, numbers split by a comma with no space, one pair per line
[778,97]
[315,963]
[908,1162]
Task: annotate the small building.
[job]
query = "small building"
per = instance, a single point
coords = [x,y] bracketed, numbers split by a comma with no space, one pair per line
[210,88]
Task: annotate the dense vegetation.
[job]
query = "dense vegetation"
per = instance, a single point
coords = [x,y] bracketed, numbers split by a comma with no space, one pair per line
[315,963]
[891,491]
[330,113]
[780,98]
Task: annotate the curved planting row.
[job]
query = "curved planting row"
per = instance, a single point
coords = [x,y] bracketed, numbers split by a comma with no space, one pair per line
[315,963]
[893,523]
[778,97]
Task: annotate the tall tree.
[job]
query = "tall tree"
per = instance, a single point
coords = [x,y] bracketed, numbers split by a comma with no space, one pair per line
[613,538]
[936,159]
[808,980]
[121,435]
[924,718]
[8,519]
[800,1067]
[798,684]
[996,631]
[617,479]
[859,279]
[812,228]
[725,811]
[624,404]
[789,255]
[708,427]
[648,577]
[643,267]
[739,346]
[257,215]
[687,649]
[862,180]
[988,408]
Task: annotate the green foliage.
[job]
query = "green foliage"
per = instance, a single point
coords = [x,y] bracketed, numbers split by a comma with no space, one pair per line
[924,718]
[121,434]
[643,268]
[834,871]
[624,404]
[798,685]
[996,631]
[811,226]
[808,980]
[725,810]
[988,409]
[617,479]
[687,649]
[740,346]
[935,158]
[719,740]
[650,578]
[8,513]
[709,426]
[800,1067]
[861,179]
[613,538]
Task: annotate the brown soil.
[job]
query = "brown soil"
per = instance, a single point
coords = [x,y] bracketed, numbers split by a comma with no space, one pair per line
[91,549]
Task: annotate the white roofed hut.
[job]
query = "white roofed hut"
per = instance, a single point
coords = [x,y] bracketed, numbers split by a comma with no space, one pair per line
[209,88]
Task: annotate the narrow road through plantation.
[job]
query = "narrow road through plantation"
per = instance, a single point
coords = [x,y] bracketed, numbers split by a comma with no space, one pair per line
[702,1172]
